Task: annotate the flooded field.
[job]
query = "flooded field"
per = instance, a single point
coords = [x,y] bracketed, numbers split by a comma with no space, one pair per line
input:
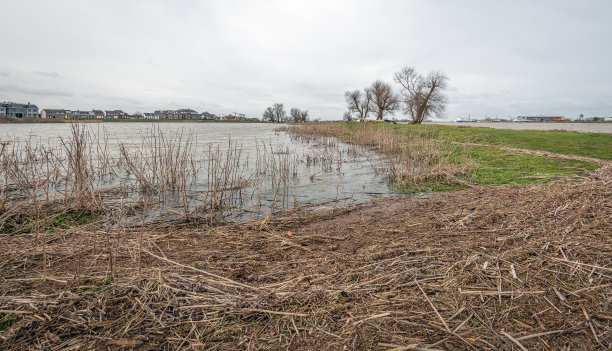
[234,170]
[570,127]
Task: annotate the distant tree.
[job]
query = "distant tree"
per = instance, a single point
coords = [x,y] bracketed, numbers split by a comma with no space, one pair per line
[421,96]
[347,117]
[359,103]
[275,113]
[298,115]
[268,115]
[384,99]
[279,112]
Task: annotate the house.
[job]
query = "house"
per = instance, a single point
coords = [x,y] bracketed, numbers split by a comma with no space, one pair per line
[541,118]
[148,115]
[99,114]
[54,113]
[116,114]
[17,110]
[187,113]
[184,113]
[208,116]
[234,117]
[164,114]
[78,114]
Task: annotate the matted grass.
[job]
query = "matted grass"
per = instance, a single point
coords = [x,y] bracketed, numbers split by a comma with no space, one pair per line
[597,145]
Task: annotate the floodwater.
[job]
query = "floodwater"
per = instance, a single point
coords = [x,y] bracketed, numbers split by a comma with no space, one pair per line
[570,127]
[319,173]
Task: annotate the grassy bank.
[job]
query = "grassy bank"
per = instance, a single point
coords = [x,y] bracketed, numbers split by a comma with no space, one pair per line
[597,145]
[433,158]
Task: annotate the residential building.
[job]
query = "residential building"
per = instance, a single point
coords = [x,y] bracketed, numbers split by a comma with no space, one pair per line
[234,117]
[17,110]
[99,114]
[187,113]
[115,114]
[148,115]
[54,113]
[78,114]
[209,116]
[184,113]
[164,114]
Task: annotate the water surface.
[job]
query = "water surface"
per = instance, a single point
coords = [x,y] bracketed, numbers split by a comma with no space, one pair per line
[321,171]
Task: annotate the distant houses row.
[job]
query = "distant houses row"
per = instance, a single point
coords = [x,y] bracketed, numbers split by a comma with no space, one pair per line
[18,110]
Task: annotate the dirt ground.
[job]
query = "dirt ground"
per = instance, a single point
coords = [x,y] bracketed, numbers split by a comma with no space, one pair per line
[497,268]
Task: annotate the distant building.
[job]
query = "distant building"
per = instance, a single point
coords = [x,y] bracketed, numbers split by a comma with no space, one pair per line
[99,114]
[184,113]
[167,114]
[595,119]
[115,114]
[78,114]
[234,117]
[187,113]
[541,118]
[54,113]
[16,110]
[148,115]
[208,116]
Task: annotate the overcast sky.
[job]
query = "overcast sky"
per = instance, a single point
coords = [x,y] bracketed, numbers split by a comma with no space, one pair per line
[504,58]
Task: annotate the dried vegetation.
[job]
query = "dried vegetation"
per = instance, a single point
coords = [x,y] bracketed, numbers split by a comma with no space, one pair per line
[502,268]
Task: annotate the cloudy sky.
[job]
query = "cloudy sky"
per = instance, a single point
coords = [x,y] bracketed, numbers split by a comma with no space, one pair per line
[503,58]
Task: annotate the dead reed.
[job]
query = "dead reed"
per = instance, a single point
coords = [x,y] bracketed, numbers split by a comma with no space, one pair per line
[502,268]
[412,160]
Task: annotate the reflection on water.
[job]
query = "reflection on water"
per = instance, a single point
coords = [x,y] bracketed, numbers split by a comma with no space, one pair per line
[260,168]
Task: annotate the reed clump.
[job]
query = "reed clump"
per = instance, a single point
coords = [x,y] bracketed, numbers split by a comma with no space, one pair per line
[411,160]
[171,174]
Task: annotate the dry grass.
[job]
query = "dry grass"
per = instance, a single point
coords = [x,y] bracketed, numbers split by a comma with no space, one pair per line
[471,269]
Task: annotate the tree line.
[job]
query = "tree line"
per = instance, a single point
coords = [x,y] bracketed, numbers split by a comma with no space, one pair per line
[419,97]
[276,113]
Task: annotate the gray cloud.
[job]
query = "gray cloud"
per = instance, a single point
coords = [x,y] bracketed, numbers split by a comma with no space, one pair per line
[504,58]
[47,74]
[36,92]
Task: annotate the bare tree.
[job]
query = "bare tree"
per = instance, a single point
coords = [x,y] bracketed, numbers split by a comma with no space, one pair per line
[275,113]
[359,102]
[383,98]
[347,116]
[298,115]
[422,96]
[279,112]
[268,115]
